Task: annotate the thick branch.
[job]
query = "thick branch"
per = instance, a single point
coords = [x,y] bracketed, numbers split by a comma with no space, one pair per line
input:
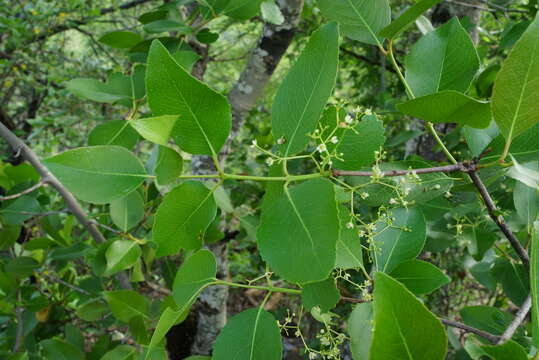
[519,318]
[498,219]
[486,335]
[47,177]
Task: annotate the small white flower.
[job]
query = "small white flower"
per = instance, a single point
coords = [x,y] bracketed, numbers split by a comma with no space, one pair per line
[437,187]
[254,143]
[448,194]
[334,140]
[349,225]
[321,148]
[364,195]
[281,140]
[361,234]
[368,112]
[392,201]
[269,161]
[312,356]
[348,119]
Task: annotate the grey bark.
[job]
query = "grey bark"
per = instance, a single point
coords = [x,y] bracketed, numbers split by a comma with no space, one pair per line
[264,58]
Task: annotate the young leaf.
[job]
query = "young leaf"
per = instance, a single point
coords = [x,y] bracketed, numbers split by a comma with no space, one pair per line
[298,232]
[358,145]
[452,61]
[449,106]
[251,335]
[401,240]
[121,255]
[128,211]
[126,304]
[322,293]
[516,89]
[420,277]
[205,119]
[198,271]
[169,165]
[305,90]
[121,39]
[98,174]
[359,19]
[398,315]
[113,133]
[534,281]
[155,129]
[407,18]
[183,217]
[360,330]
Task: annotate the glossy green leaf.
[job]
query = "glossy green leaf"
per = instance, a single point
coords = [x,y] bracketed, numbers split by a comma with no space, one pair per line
[407,18]
[243,9]
[488,319]
[167,320]
[198,271]
[448,107]
[205,119]
[120,352]
[183,217]
[398,241]
[305,90]
[397,316]
[98,174]
[155,129]
[251,335]
[507,351]
[420,277]
[358,145]
[117,88]
[516,89]
[452,61]
[534,281]
[121,254]
[120,39]
[349,250]
[113,133]
[92,311]
[302,223]
[479,139]
[169,165]
[526,201]
[126,304]
[360,330]
[359,19]
[54,349]
[524,147]
[128,211]
[323,294]
[17,211]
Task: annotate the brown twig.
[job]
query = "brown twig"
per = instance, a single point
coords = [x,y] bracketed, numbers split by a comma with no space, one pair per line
[22,193]
[519,318]
[463,167]
[486,335]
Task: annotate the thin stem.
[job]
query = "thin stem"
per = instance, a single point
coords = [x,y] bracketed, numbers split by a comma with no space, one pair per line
[446,151]
[276,178]
[519,318]
[463,167]
[266,288]
[486,335]
[398,70]
[22,193]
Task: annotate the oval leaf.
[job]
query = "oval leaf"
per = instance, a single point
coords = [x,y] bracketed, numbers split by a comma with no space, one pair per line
[128,211]
[420,277]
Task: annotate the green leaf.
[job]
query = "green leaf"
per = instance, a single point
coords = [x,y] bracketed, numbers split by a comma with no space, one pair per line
[155,129]
[514,278]
[117,88]
[420,277]
[360,330]
[120,352]
[534,281]
[121,255]
[167,320]
[298,232]
[8,235]
[448,106]
[91,311]
[159,26]
[98,174]
[349,250]
[128,211]
[524,147]
[488,319]
[252,334]
[21,266]
[183,217]
[407,18]
[452,61]
[271,12]
[121,39]
[479,139]
[398,315]
[516,89]
[198,271]
[60,350]
[169,165]
[113,133]
[17,211]
[526,201]
[126,304]
[243,9]
[479,239]
[323,294]
[205,118]
[398,241]
[305,90]
[507,351]
[359,19]
[358,145]
[526,174]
